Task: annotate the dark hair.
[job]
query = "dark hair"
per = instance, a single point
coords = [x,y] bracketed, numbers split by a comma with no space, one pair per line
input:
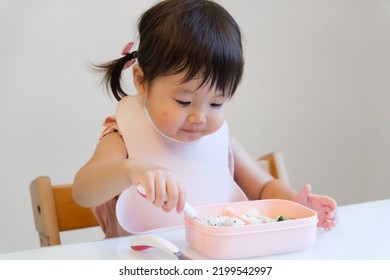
[197,36]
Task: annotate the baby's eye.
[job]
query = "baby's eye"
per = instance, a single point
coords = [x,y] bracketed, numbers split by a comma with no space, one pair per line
[216,105]
[183,103]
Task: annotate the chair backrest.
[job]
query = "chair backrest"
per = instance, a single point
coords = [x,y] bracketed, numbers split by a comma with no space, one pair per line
[274,164]
[55,211]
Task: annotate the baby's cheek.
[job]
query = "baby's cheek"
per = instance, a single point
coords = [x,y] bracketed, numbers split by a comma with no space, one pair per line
[215,123]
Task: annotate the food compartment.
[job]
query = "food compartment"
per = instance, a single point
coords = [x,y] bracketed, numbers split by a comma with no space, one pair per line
[245,240]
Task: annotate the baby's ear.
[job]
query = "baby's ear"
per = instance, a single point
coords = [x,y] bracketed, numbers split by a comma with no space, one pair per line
[138,78]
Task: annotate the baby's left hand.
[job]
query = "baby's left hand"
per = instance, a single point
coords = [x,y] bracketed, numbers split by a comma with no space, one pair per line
[325,207]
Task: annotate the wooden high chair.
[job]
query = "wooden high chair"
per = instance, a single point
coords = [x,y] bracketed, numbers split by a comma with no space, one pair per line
[55,211]
[274,164]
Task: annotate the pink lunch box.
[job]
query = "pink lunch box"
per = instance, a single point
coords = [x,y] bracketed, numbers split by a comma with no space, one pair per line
[256,239]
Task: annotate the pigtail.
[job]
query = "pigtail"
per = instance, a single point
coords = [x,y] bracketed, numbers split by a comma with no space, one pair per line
[113,71]
[112,76]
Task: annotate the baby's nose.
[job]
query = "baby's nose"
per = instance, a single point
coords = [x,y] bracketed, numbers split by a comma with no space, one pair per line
[197,118]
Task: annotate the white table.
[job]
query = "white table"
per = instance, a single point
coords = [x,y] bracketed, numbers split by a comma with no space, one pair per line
[363,233]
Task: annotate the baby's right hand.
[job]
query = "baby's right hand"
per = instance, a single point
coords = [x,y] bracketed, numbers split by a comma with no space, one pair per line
[161,187]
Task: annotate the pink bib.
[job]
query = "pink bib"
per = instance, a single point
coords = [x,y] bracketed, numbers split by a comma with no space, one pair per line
[202,167]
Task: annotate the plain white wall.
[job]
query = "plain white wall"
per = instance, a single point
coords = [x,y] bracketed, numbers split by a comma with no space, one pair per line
[316,88]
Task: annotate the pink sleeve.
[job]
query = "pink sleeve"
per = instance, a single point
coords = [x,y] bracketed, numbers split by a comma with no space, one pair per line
[110,126]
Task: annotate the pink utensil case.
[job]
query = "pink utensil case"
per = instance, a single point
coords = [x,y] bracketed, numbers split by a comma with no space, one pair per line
[256,239]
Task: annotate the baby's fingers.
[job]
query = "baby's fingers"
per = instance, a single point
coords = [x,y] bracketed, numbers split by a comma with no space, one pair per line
[329,221]
[160,192]
[327,225]
[173,195]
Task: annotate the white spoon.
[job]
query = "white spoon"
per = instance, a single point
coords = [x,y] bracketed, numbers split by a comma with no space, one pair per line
[143,242]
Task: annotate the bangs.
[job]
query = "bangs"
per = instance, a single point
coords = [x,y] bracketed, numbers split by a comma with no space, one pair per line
[203,41]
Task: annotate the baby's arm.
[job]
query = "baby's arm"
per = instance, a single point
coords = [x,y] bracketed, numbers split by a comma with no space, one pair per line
[109,172]
[258,184]
[253,180]
[104,176]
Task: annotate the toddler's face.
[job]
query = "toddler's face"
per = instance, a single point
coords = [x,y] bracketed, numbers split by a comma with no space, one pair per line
[182,111]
